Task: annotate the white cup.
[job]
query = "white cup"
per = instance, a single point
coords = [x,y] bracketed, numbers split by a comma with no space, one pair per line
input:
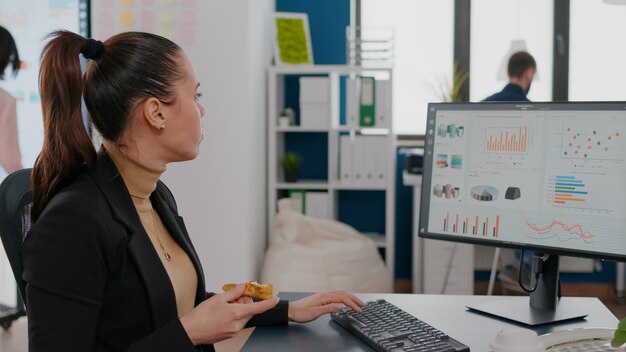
[516,340]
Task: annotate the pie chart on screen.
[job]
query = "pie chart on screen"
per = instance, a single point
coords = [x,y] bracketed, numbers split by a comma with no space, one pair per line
[484,193]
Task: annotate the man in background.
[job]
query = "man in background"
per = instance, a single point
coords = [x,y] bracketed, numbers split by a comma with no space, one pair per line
[521,70]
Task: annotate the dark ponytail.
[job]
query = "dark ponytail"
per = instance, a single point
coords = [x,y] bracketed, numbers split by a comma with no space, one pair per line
[67,147]
[8,53]
[125,70]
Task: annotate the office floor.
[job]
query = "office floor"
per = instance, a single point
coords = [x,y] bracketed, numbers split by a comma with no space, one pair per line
[15,339]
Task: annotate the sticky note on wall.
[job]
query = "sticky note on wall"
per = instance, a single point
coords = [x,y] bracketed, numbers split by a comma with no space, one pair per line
[166,17]
[126,2]
[166,31]
[127,18]
[148,17]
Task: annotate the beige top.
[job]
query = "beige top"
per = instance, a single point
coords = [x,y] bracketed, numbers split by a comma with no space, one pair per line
[10,158]
[141,179]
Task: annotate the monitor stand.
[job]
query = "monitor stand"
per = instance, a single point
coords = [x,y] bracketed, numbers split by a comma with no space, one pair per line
[545,305]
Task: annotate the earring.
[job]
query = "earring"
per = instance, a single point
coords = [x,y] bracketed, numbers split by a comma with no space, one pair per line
[162,127]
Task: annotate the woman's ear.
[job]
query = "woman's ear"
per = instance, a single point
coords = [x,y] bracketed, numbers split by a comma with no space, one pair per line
[152,113]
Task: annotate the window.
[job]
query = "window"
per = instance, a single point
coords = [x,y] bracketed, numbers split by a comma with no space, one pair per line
[597,51]
[494,25]
[423,43]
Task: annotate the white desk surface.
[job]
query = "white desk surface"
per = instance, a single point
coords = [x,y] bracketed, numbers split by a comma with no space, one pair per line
[445,312]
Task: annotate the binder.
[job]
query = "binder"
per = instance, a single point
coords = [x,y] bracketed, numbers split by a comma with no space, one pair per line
[314,115]
[315,102]
[377,148]
[345,159]
[314,90]
[364,164]
[367,111]
[383,104]
[352,103]
[369,165]
[359,160]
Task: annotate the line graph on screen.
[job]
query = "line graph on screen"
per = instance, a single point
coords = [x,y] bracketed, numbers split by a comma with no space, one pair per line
[560,230]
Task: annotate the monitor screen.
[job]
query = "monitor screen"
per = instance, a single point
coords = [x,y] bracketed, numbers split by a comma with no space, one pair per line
[548,177]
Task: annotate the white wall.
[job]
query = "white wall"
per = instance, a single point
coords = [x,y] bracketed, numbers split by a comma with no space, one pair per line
[222,193]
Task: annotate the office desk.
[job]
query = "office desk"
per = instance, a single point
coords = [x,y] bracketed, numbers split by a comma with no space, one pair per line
[447,313]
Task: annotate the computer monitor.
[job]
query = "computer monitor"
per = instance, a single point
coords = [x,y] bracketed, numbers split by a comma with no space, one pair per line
[545,177]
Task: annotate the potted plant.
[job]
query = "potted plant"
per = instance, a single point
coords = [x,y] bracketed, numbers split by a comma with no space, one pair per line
[620,334]
[290,163]
[450,92]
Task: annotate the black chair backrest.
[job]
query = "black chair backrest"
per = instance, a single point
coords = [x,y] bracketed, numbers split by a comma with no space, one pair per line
[15,206]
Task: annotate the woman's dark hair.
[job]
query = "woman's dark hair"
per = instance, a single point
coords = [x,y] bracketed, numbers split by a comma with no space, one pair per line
[122,72]
[8,53]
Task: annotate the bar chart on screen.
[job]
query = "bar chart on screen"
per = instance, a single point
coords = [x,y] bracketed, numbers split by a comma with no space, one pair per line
[569,190]
[505,143]
[475,225]
[588,192]
[506,139]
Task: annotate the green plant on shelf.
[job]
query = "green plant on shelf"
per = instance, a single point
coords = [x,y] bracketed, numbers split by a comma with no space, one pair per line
[290,163]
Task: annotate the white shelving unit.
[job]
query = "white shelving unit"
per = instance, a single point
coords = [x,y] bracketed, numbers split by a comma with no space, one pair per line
[332,183]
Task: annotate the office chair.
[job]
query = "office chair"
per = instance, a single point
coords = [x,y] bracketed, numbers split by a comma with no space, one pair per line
[15,206]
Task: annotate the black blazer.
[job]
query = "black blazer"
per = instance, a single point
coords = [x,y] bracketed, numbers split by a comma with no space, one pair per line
[94,281]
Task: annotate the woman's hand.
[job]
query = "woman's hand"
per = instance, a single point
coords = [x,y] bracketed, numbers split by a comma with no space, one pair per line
[222,316]
[310,308]
[243,300]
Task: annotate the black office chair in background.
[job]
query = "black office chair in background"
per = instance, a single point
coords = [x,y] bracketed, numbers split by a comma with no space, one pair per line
[15,206]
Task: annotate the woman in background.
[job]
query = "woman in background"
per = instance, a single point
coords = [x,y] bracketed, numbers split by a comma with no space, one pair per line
[108,263]
[10,158]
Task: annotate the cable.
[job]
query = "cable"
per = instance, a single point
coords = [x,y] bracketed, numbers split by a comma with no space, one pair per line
[494,270]
[537,273]
[445,280]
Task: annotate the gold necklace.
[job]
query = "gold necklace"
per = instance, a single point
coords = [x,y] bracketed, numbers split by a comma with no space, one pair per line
[156,230]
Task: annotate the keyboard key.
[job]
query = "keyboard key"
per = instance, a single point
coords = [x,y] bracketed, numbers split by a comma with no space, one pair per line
[355,322]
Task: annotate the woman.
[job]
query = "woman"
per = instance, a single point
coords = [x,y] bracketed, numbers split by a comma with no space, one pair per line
[108,263]
[10,158]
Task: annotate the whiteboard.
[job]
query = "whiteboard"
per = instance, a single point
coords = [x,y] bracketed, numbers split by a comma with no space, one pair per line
[30,22]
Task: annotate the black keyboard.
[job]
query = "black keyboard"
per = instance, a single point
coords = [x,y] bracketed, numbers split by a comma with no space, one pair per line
[386,327]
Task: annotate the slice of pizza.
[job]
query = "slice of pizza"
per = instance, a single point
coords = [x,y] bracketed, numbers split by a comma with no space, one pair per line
[254,290]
